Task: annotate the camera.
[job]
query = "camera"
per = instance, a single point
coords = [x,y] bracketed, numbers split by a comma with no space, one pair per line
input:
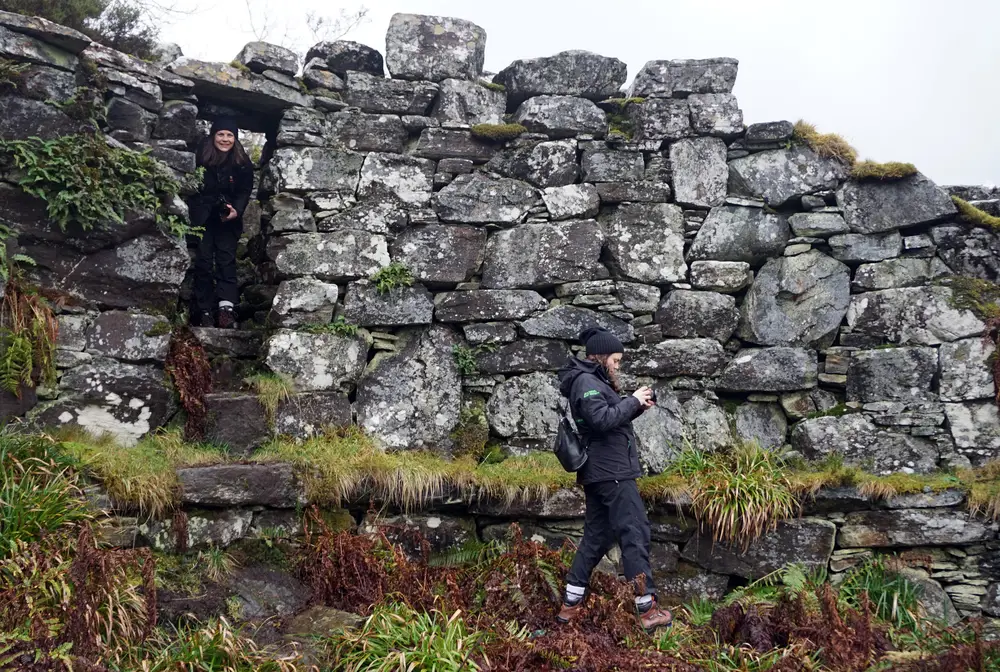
[652,395]
[222,207]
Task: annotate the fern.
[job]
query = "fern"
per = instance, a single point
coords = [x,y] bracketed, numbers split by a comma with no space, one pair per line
[473,552]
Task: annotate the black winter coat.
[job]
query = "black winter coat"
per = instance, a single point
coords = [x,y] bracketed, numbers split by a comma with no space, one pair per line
[605,419]
[233,181]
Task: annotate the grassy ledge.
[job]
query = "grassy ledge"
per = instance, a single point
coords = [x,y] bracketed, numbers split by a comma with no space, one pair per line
[829,145]
[498,132]
[973,215]
[891,170]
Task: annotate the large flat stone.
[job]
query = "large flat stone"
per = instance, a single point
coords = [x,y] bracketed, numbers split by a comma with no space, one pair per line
[523,356]
[568,73]
[965,370]
[645,242]
[566,322]
[861,442]
[229,485]
[388,96]
[440,253]
[365,306]
[917,315]
[893,374]
[335,257]
[877,206]
[47,31]
[299,169]
[912,527]
[780,175]
[732,233]
[775,369]
[699,172]
[485,305]
[677,357]
[537,255]
[317,361]
[480,198]
[227,85]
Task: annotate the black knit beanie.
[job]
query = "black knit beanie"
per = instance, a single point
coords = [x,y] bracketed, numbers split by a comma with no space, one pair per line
[225,124]
[600,341]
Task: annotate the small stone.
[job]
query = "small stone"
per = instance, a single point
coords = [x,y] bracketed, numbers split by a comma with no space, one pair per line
[721,276]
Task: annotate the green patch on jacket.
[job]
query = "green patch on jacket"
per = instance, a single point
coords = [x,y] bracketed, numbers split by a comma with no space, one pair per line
[590,393]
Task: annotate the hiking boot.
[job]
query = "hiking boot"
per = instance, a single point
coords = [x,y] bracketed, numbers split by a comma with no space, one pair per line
[227,318]
[570,612]
[654,617]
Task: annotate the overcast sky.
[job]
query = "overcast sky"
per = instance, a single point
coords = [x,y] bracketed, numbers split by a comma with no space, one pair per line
[902,80]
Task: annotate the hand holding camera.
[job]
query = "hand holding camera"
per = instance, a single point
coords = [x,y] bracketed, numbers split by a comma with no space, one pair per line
[225,210]
[646,396]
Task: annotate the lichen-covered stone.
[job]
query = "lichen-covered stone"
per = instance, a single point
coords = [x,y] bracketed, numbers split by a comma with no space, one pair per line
[699,172]
[130,337]
[523,356]
[661,79]
[468,102]
[362,132]
[895,273]
[645,241]
[299,169]
[316,76]
[804,541]
[817,224]
[531,255]
[342,56]
[365,306]
[568,73]
[440,253]
[446,143]
[660,119]
[337,256]
[643,191]
[776,369]
[433,48]
[965,371]
[875,206]
[690,314]
[567,322]
[763,423]
[317,361]
[230,485]
[408,178]
[854,247]
[917,315]
[206,528]
[543,164]
[893,374]
[571,201]
[768,134]
[612,165]
[309,414]
[480,198]
[715,114]
[388,96]
[19,46]
[721,276]
[732,233]
[261,56]
[561,116]
[798,300]
[47,31]
[911,527]
[484,305]
[412,398]
[781,175]
[861,442]
[525,407]
[706,425]
[21,118]
[659,434]
[677,357]
[975,426]
[242,90]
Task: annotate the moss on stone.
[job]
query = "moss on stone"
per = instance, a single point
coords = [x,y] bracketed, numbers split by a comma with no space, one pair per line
[498,132]
[240,66]
[891,170]
[982,297]
[472,432]
[161,328]
[973,215]
[828,145]
[493,86]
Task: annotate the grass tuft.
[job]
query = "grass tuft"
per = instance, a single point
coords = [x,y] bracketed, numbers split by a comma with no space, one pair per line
[492,86]
[498,132]
[828,145]
[272,389]
[973,215]
[891,170]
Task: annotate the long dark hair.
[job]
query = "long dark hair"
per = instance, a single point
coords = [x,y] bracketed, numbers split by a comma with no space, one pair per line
[213,158]
[612,375]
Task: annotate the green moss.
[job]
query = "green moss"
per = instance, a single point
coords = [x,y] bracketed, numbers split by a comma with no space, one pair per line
[339,327]
[972,215]
[498,132]
[472,432]
[492,86]
[980,296]
[392,276]
[11,75]
[829,145]
[240,66]
[161,328]
[835,412]
[892,170]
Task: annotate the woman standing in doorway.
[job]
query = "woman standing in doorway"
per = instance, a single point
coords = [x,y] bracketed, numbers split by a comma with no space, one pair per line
[218,208]
[615,512]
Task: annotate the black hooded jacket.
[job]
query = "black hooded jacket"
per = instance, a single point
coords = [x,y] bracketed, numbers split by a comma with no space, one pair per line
[605,420]
[232,180]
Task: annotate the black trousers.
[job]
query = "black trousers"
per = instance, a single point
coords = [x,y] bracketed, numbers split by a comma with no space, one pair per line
[215,266]
[615,513]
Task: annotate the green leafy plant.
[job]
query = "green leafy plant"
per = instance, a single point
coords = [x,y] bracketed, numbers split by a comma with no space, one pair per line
[28,332]
[498,132]
[465,359]
[11,74]
[829,145]
[86,104]
[392,276]
[873,170]
[86,181]
[619,120]
[700,611]
[339,327]
[272,389]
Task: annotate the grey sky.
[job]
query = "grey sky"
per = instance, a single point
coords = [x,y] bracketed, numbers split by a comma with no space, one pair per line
[902,80]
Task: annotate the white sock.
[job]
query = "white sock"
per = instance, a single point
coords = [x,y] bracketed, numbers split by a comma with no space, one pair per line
[225,304]
[575,593]
[643,601]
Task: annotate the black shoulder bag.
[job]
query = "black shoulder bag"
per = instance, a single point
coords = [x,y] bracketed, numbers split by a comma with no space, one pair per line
[570,447]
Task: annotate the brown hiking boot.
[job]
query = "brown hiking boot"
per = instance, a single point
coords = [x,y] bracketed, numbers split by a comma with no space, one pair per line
[226,318]
[570,612]
[654,617]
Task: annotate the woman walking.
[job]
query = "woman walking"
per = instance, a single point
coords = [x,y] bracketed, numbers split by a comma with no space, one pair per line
[218,208]
[615,512]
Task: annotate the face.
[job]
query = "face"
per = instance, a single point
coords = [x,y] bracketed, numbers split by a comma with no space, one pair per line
[613,361]
[224,140]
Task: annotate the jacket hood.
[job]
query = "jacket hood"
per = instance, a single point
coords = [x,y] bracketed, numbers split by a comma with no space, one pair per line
[574,368]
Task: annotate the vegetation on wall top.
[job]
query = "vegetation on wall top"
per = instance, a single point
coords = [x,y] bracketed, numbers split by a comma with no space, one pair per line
[829,145]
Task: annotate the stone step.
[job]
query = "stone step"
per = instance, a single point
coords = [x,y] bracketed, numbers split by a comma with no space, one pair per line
[230,485]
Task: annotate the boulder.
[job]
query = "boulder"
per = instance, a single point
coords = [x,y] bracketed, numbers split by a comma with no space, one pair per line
[317,361]
[126,401]
[776,369]
[911,527]
[659,119]
[965,370]
[316,76]
[299,169]
[898,273]
[659,434]
[231,485]
[525,407]
[440,253]
[205,529]
[265,594]
[412,398]
[798,300]
[969,251]
[107,57]
[768,134]
[612,165]
[781,175]
[342,56]
[699,172]
[302,301]
[855,247]
[467,102]
[335,257]
[804,541]
[434,48]
[530,255]
[727,277]
[129,121]
[860,442]
[362,132]
[568,73]
[130,337]
[917,315]
[481,198]
[975,426]
[893,374]
[679,357]
[874,206]
[22,47]
[705,424]
[388,96]
[561,116]
[543,164]
[715,114]
[762,423]
[571,201]
[445,143]
[523,356]
[645,242]
[566,322]
[22,118]
[483,305]
[410,179]
[245,91]
[682,77]
[309,414]
[732,233]
[47,83]
[365,306]
[47,31]
[689,314]
[817,224]
[261,56]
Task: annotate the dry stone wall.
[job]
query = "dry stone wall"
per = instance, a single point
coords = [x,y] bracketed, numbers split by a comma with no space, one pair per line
[762,292]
